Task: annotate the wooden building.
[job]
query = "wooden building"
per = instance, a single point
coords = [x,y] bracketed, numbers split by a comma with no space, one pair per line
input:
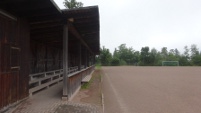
[41,44]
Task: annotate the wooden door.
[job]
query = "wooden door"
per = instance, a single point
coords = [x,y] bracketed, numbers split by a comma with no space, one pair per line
[9,61]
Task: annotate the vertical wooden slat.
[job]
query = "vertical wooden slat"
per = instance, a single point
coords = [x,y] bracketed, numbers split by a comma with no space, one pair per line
[4,70]
[33,52]
[14,73]
[51,58]
[13,87]
[54,54]
[6,64]
[2,87]
[46,60]
[1,94]
[79,56]
[57,52]
[60,60]
[41,58]
[1,37]
[6,89]
[87,59]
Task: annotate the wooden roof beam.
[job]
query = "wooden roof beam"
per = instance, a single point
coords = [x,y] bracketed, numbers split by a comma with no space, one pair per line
[74,31]
[50,25]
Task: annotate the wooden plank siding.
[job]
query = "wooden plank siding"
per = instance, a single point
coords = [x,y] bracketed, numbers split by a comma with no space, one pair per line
[31,41]
[1,78]
[14,60]
[24,59]
[76,80]
[44,58]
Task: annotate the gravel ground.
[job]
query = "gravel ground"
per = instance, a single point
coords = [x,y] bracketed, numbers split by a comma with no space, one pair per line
[92,94]
[130,89]
[49,100]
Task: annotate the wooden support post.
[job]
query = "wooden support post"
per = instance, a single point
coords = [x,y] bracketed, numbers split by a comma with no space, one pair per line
[65,62]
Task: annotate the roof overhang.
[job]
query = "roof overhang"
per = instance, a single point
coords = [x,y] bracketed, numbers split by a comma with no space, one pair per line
[46,21]
[86,21]
[30,8]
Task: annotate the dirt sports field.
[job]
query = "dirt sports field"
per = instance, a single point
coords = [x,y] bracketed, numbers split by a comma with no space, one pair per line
[130,89]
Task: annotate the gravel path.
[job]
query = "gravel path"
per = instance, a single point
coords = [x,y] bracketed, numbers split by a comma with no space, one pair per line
[152,89]
[49,100]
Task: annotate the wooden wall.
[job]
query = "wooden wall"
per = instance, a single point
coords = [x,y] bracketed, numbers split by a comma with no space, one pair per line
[44,58]
[20,56]
[14,60]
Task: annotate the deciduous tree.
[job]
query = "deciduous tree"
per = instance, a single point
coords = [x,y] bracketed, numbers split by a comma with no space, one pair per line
[70,4]
[105,56]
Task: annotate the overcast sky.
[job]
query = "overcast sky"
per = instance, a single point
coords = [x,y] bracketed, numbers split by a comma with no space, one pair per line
[154,23]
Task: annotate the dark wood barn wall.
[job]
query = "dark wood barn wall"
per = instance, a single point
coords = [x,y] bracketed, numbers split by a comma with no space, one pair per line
[14,60]
[44,58]
[47,58]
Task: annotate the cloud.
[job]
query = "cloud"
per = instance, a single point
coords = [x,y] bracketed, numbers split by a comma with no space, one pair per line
[154,23]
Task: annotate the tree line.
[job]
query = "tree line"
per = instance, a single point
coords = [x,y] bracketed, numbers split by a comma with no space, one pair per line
[124,55]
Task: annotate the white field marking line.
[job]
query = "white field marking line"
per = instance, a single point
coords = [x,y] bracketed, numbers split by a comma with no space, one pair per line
[103,105]
[118,98]
[102,95]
